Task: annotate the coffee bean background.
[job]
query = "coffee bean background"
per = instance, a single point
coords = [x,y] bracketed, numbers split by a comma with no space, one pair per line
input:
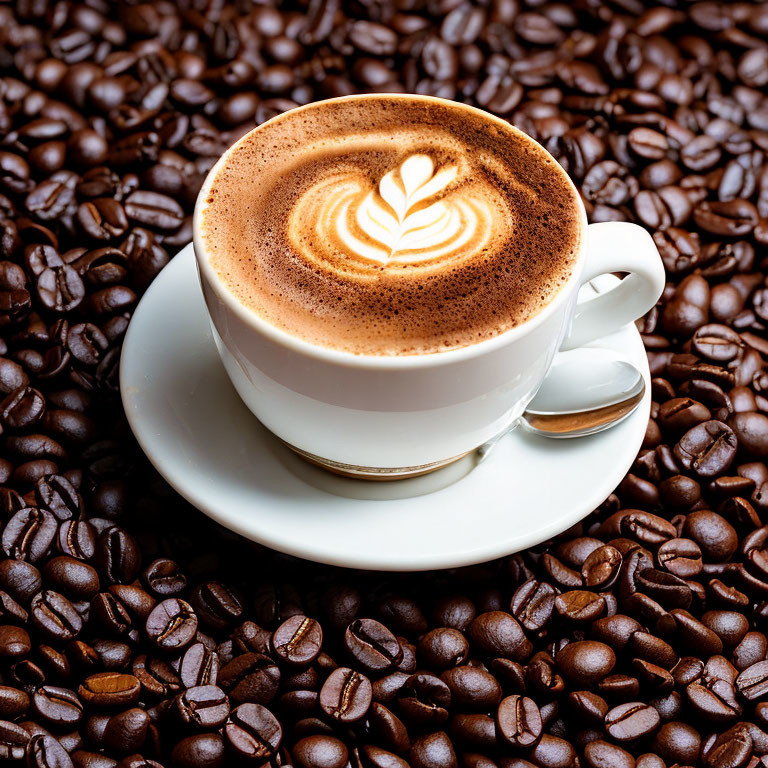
[136,633]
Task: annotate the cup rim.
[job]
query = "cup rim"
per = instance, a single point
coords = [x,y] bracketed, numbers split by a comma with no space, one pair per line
[381,362]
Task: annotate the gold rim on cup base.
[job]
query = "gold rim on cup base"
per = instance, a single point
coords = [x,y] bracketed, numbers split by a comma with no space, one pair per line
[380,474]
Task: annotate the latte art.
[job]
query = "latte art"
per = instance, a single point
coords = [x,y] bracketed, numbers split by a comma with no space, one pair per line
[418,213]
[391,215]
[391,225]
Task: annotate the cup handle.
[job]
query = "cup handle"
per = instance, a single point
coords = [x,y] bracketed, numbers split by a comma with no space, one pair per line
[617,246]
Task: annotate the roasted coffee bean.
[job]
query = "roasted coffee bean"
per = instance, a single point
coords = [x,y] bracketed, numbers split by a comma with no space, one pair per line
[519,721]
[57,707]
[109,612]
[83,759]
[28,535]
[204,707]
[298,640]
[388,728]
[472,687]
[616,630]
[497,633]
[678,741]
[533,603]
[560,573]
[164,578]
[372,645]
[14,642]
[117,556]
[202,748]
[154,210]
[443,648]
[54,663]
[601,568]
[645,527]
[156,676]
[251,637]
[603,753]
[320,751]
[60,289]
[12,375]
[253,733]
[580,605]
[86,343]
[751,430]
[651,648]
[112,654]
[585,662]
[21,579]
[717,703]
[54,616]
[11,610]
[251,677]
[110,689]
[102,218]
[707,449]
[681,414]
[433,751]
[126,731]
[216,605]
[715,536]
[474,731]
[733,747]
[401,614]
[76,579]
[588,705]
[172,624]
[752,649]
[631,721]
[56,494]
[695,635]
[681,557]
[22,408]
[665,588]
[199,666]
[77,539]
[346,695]
[44,751]
[553,752]
[752,683]
[14,702]
[733,218]
[13,740]
[729,626]
[423,698]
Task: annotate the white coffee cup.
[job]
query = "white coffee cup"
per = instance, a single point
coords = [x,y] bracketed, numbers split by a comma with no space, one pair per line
[387,417]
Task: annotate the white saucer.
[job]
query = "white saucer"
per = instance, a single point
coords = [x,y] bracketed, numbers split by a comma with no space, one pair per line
[212,450]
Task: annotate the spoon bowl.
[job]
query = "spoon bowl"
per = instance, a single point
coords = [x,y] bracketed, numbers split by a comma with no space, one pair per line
[585,391]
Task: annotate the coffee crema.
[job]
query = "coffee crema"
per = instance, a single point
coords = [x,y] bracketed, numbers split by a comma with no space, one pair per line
[391,225]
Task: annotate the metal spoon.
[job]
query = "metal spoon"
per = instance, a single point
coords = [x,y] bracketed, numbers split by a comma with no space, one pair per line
[580,397]
[585,391]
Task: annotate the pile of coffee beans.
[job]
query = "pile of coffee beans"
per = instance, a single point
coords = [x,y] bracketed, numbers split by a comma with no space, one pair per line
[134,632]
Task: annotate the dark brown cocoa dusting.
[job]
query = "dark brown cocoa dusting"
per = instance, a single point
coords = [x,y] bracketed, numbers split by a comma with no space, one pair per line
[395,308]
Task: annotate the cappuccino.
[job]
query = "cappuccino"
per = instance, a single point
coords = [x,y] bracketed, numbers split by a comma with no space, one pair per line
[391,225]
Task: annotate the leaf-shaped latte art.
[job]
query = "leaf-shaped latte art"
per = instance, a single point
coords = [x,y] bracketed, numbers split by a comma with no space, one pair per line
[418,213]
[390,215]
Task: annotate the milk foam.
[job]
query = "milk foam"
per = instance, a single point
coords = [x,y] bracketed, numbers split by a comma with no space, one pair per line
[417,213]
[391,225]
